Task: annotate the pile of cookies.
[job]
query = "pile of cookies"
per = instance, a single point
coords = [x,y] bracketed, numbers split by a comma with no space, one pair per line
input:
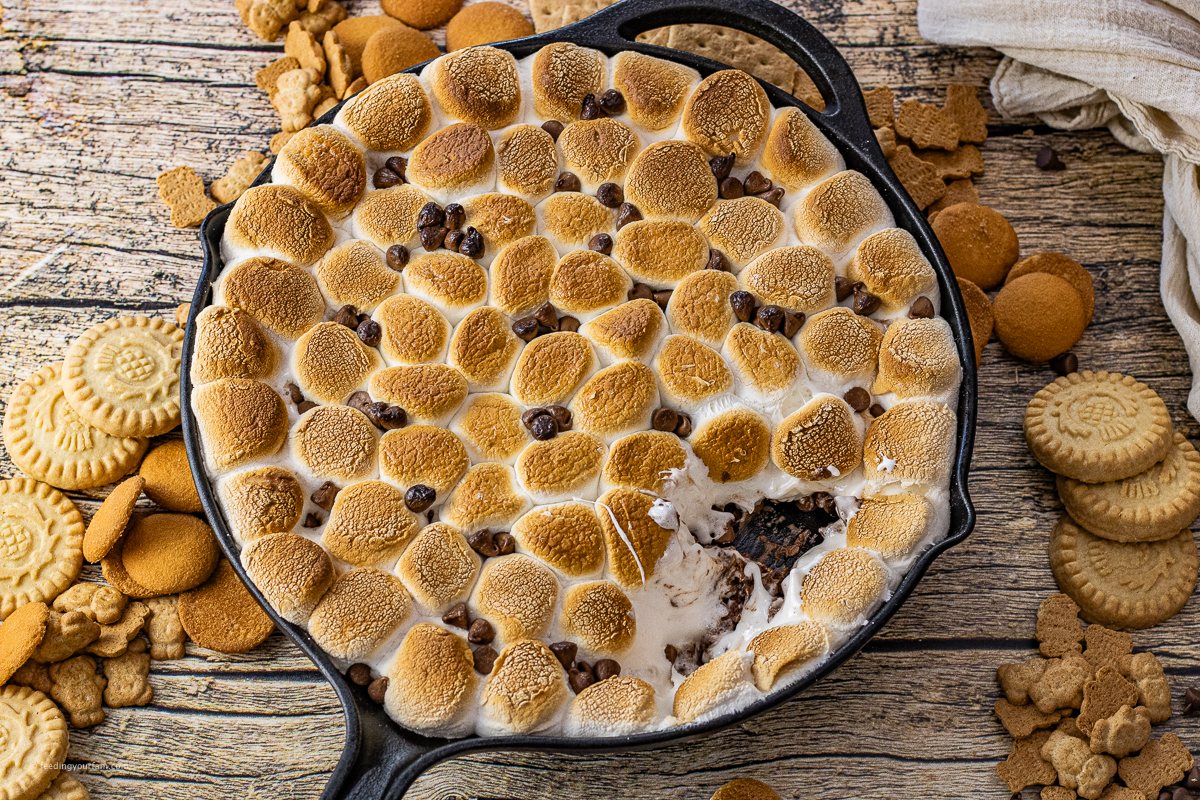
[1131,487]
[1080,714]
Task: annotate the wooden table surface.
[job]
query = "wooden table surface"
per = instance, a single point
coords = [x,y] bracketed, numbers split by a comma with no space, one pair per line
[97,98]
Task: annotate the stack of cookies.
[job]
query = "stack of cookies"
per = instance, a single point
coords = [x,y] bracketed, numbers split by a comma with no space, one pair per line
[1131,487]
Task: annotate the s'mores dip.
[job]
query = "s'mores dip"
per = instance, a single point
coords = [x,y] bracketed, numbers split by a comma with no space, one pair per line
[502,364]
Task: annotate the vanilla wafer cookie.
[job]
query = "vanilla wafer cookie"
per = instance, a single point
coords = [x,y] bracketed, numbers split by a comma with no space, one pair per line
[49,441]
[41,543]
[122,376]
[1098,426]
[1151,505]
[33,742]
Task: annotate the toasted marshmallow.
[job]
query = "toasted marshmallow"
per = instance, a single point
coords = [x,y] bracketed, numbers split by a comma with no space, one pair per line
[642,461]
[585,283]
[526,162]
[240,420]
[917,358]
[840,212]
[526,692]
[277,221]
[566,536]
[743,229]
[330,362]
[521,275]
[819,442]
[798,278]
[456,160]
[337,443]
[490,426]
[487,497]
[911,443]
[425,455]
[369,524]
[699,306]
[633,541]
[325,166]
[843,587]
[451,283]
[671,179]
[891,525]
[724,682]
[765,365]
[389,216]
[655,90]
[563,74]
[892,267]
[779,650]
[354,273]
[616,400]
[660,252]
[571,219]
[690,373]
[414,332]
[630,332]
[484,349]
[230,344]
[734,444]
[431,683]
[361,610]
[551,368]
[598,151]
[567,466]
[292,572]
[479,85]
[392,114]
[429,393]
[841,345]
[796,154]
[501,219]
[439,567]
[599,617]
[517,594]
[728,113]
[281,296]
[261,501]
[619,706]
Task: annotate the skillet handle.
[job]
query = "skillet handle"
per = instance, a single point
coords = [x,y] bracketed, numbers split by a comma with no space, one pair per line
[617,26]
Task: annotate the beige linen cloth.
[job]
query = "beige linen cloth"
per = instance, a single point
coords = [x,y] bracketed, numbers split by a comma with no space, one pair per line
[1130,65]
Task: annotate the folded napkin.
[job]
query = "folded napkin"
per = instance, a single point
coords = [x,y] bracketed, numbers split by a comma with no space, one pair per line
[1130,65]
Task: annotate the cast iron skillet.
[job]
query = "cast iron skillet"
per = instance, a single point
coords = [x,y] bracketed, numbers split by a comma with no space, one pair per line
[381,759]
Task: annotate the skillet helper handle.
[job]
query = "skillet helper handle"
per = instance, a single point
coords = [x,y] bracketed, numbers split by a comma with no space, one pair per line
[619,24]
[385,762]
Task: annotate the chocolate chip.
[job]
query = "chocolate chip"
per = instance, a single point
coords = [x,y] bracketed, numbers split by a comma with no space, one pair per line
[805,504]
[591,109]
[397,257]
[458,616]
[606,668]
[842,288]
[546,316]
[610,195]
[553,127]
[717,260]
[580,679]
[640,291]
[455,216]
[433,238]
[375,412]
[481,632]
[569,324]
[377,691]
[858,398]
[1181,794]
[769,318]
[612,101]
[1065,363]
[567,182]
[506,543]
[485,659]
[293,392]
[369,332]
[347,315]
[721,166]
[662,298]
[732,189]
[665,419]
[530,415]
[1192,781]
[305,406]
[431,215]
[626,214]
[325,494]
[1048,160]
[1164,794]
[397,164]
[565,653]
[743,304]
[561,415]
[601,243]
[484,543]
[472,243]
[922,308]
[792,323]
[526,328]
[454,240]
[865,303]
[757,183]
[1191,702]
[419,497]
[876,410]
[726,537]
[671,652]
[544,428]
[312,520]
[359,401]
[773,196]
[359,674]
[824,501]
[384,178]
[684,428]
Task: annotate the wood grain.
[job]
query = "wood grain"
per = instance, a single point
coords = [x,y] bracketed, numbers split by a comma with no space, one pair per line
[99,97]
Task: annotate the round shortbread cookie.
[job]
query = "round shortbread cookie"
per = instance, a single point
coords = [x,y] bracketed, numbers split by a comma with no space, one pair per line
[1097,427]
[1151,505]
[65,788]
[110,520]
[222,615]
[49,441]
[41,543]
[33,742]
[20,635]
[1123,585]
